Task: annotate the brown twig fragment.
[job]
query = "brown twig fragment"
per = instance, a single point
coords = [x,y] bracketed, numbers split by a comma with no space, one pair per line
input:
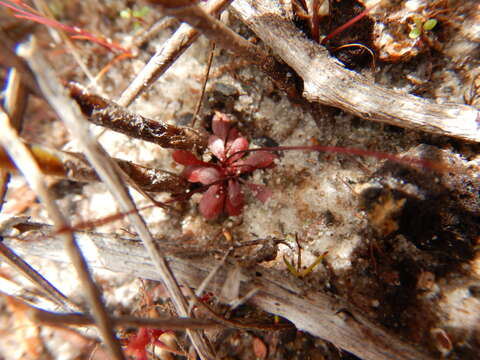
[43,317]
[106,113]
[75,166]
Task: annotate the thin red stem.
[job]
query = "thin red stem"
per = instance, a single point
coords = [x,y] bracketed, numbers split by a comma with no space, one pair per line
[354,151]
[349,23]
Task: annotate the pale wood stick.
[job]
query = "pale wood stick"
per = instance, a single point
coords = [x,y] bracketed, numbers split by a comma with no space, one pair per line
[317,313]
[327,82]
[166,56]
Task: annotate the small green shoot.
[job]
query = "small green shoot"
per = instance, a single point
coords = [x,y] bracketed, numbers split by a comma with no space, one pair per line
[429,24]
[137,15]
[420,27]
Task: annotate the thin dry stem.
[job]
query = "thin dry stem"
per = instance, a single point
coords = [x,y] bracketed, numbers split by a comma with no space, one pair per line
[196,113]
[44,317]
[107,171]
[33,175]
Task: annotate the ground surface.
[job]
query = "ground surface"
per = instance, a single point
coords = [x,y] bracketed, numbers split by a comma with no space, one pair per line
[401,243]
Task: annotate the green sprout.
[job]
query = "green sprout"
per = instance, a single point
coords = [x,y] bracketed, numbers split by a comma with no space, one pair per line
[422,26]
[137,14]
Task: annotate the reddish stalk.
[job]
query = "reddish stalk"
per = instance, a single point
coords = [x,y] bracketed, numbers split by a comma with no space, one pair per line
[356,151]
[348,24]
[28,13]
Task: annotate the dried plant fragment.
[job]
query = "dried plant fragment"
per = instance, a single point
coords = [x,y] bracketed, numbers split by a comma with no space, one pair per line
[106,113]
[76,167]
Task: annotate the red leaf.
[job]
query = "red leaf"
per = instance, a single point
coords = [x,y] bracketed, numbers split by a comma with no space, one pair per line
[239,144]
[234,204]
[213,201]
[217,147]
[221,124]
[186,158]
[257,160]
[204,175]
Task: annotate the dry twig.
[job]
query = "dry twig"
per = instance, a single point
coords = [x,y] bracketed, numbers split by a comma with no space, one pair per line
[106,113]
[318,313]
[166,56]
[109,173]
[33,175]
[75,166]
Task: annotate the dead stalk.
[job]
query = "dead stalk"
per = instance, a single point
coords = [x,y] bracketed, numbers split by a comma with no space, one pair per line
[107,171]
[75,166]
[33,175]
[106,113]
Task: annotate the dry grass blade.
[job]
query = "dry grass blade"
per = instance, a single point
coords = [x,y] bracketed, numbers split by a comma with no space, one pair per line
[33,175]
[107,171]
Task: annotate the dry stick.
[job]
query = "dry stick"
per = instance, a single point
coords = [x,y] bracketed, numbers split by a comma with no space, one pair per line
[154,30]
[76,319]
[43,317]
[36,278]
[74,166]
[14,104]
[196,113]
[315,312]
[224,37]
[166,56]
[106,113]
[327,82]
[33,175]
[69,112]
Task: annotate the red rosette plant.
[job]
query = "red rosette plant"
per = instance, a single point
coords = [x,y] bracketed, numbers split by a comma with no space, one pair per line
[222,178]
